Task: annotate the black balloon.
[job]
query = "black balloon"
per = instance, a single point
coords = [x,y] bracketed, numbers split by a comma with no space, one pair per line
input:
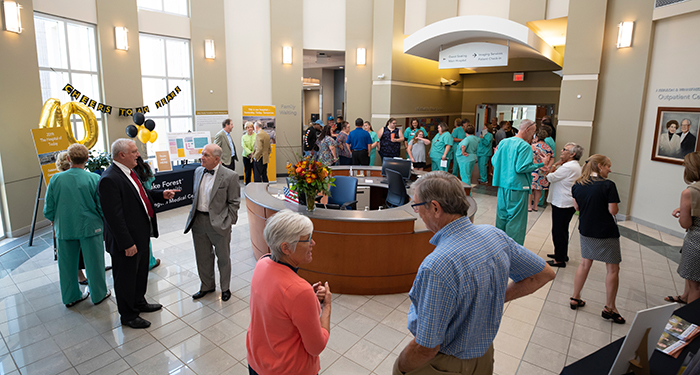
[132,131]
[138,118]
[150,125]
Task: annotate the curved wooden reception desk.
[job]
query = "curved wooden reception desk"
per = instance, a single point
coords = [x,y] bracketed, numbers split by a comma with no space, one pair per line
[357,252]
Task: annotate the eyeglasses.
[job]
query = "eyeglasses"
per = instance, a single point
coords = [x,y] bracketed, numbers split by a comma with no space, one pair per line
[416,205]
[308,240]
[566,150]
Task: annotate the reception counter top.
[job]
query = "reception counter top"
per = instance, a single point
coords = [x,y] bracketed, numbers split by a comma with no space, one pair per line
[357,252]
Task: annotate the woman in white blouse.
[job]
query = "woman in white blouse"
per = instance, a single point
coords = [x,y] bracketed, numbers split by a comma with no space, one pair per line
[670,143]
[562,177]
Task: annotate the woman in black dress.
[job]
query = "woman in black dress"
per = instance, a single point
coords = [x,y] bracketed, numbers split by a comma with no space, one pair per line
[596,199]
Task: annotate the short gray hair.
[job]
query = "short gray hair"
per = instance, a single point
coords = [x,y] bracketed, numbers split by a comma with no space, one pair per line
[525,124]
[286,226]
[576,150]
[444,188]
[687,119]
[215,150]
[121,145]
[258,125]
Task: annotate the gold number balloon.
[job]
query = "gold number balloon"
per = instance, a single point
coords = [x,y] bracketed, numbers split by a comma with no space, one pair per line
[55,115]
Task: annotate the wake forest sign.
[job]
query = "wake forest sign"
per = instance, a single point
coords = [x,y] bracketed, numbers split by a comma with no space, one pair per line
[473,55]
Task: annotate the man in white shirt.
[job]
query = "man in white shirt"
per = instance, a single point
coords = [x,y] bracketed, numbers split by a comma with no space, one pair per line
[214,210]
[562,176]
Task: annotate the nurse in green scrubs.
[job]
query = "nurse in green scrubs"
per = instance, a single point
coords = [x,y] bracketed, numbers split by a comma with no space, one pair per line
[440,148]
[411,131]
[484,152]
[375,141]
[465,156]
[73,206]
[458,134]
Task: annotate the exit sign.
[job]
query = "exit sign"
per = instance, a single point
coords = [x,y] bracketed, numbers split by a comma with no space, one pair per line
[518,77]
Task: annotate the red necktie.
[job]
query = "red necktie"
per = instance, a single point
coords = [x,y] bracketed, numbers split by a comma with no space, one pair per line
[143,194]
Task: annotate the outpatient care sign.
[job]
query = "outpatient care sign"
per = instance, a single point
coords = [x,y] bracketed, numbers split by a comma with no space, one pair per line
[474,55]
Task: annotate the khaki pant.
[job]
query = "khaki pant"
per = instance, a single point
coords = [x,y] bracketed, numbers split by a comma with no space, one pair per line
[447,364]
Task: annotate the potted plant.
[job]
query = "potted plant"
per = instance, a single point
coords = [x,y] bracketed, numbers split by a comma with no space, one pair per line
[98,161]
[310,177]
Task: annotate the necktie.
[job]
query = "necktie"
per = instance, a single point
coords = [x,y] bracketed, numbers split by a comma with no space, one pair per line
[142,192]
[209,171]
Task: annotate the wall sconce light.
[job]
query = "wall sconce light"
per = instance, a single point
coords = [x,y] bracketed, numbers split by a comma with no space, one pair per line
[361,56]
[624,34]
[13,21]
[209,50]
[287,55]
[121,38]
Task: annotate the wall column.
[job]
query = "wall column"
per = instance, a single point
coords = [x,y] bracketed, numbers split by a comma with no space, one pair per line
[358,78]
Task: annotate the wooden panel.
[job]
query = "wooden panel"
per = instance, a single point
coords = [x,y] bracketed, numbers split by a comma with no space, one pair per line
[255,208]
[257,225]
[362,285]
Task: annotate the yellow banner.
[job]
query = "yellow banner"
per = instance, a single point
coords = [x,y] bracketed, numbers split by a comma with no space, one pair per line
[258,110]
[49,142]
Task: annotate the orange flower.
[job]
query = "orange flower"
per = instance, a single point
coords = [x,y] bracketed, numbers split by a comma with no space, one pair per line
[309,180]
[299,169]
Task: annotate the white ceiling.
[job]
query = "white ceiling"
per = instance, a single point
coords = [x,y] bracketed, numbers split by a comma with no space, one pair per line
[333,59]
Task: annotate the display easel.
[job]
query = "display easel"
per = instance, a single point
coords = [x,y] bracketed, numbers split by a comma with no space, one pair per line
[36,208]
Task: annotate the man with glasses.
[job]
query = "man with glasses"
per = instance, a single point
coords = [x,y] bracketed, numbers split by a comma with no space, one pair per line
[458,295]
[562,177]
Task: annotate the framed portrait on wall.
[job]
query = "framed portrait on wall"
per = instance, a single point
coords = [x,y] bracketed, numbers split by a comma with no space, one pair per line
[676,134]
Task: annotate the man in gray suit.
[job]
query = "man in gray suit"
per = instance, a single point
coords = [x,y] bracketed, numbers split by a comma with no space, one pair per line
[214,210]
[228,147]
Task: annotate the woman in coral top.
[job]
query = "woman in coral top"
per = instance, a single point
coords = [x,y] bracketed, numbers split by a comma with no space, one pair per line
[286,335]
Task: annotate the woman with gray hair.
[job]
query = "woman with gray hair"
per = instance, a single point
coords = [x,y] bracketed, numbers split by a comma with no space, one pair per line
[562,177]
[286,335]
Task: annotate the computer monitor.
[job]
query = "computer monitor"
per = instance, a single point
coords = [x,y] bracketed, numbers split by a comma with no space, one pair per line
[402,166]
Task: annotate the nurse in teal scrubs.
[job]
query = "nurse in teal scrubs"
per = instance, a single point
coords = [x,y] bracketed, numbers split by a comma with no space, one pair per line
[465,156]
[73,206]
[458,135]
[442,142]
[375,141]
[484,152]
[512,165]
[411,131]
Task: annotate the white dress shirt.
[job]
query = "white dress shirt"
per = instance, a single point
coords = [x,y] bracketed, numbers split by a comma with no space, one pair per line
[127,172]
[561,182]
[205,190]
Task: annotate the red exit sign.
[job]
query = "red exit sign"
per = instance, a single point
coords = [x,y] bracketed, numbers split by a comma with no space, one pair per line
[518,77]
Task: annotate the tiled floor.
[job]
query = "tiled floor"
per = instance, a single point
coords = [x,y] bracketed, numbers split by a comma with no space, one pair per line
[539,334]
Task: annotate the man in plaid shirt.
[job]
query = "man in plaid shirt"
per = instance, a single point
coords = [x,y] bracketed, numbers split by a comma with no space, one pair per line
[458,295]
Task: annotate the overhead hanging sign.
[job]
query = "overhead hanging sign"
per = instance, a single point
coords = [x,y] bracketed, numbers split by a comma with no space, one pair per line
[474,55]
[108,109]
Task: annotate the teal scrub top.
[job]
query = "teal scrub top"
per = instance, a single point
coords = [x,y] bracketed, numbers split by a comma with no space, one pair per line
[409,134]
[374,137]
[512,164]
[470,143]
[485,145]
[550,142]
[437,148]
[458,132]
[71,202]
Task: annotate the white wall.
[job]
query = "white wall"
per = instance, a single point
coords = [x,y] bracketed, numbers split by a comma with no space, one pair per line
[414,18]
[159,23]
[324,25]
[79,10]
[495,8]
[557,9]
[658,185]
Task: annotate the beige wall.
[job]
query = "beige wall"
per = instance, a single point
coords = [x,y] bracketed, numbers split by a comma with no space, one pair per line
[310,105]
[358,78]
[523,11]
[207,22]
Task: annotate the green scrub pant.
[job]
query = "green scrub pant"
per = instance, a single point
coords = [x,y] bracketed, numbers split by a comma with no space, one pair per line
[436,165]
[456,167]
[151,258]
[541,203]
[511,213]
[93,254]
[372,156]
[465,169]
[484,168]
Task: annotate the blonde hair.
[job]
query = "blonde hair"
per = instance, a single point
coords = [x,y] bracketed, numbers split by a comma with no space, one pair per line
[415,137]
[62,162]
[247,124]
[692,167]
[78,154]
[592,165]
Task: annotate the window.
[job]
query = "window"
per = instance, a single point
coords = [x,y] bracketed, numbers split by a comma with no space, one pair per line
[178,7]
[165,64]
[67,53]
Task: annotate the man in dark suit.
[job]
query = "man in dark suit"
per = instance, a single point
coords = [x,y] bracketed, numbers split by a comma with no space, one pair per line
[130,221]
[214,209]
[223,139]
[687,138]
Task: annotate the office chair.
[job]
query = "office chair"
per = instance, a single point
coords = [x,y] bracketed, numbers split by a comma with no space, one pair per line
[343,194]
[397,190]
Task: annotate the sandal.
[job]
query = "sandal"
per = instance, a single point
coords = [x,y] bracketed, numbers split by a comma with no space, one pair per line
[676,299]
[576,303]
[609,314]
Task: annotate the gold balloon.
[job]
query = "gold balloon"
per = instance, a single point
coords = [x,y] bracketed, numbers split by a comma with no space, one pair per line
[154,136]
[144,135]
[55,115]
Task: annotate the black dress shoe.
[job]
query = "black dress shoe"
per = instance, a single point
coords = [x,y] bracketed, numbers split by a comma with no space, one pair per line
[225,296]
[553,256]
[201,294]
[139,322]
[555,264]
[150,307]
[83,298]
[109,293]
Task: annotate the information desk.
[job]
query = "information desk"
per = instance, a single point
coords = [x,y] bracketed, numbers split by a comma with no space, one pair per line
[357,252]
[182,178]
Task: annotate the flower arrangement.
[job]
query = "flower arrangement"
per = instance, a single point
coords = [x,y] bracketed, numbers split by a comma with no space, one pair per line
[310,177]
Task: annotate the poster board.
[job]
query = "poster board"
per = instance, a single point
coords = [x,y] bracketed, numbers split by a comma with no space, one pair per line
[163,161]
[210,121]
[265,115]
[49,142]
[187,146]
